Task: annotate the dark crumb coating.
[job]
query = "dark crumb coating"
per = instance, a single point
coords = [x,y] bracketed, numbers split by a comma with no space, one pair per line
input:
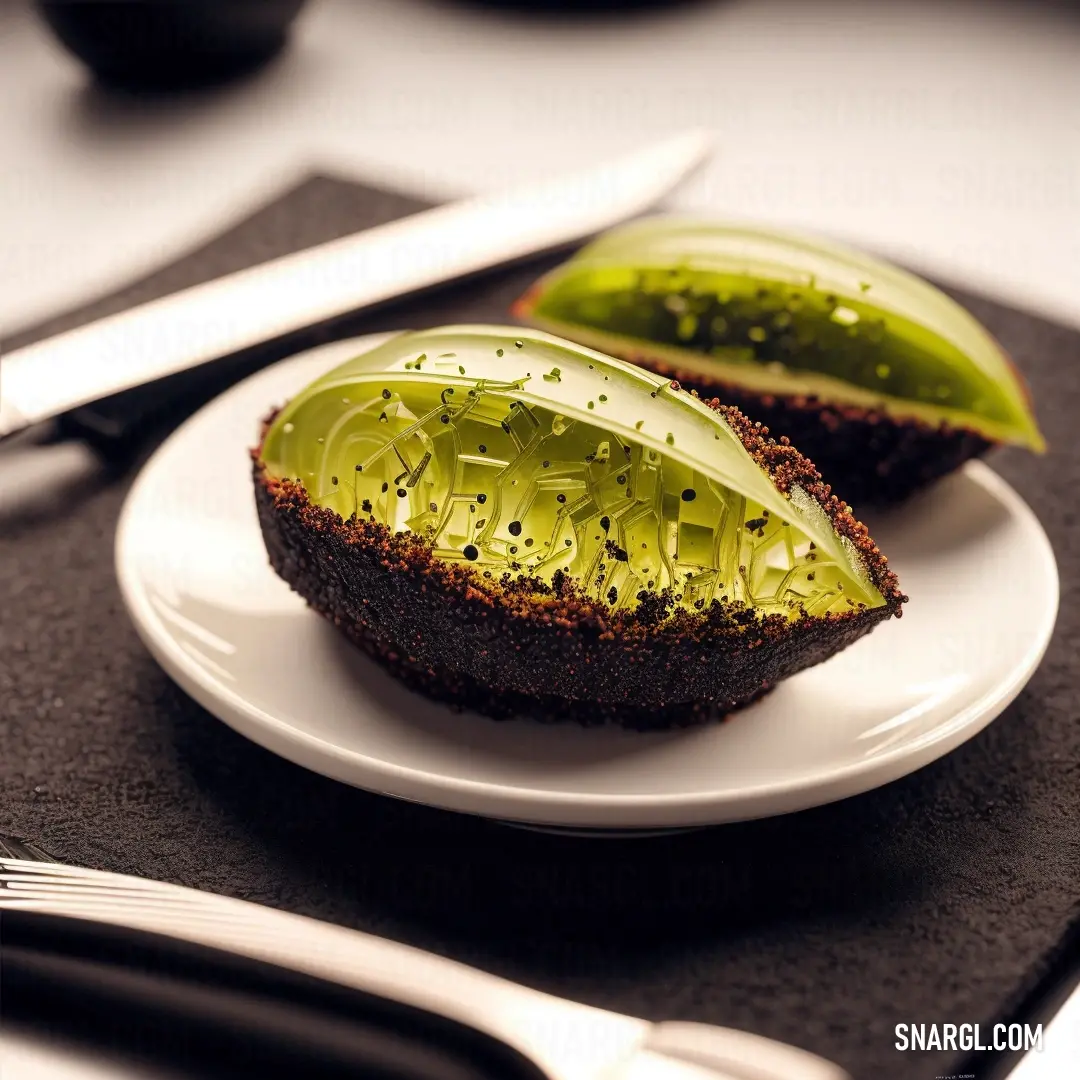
[875,459]
[520,646]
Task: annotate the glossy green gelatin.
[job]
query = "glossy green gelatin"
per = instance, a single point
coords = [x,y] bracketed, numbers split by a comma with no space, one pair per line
[523,454]
[786,315]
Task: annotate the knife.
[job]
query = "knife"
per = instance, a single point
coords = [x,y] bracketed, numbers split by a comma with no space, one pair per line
[134,952]
[233,314]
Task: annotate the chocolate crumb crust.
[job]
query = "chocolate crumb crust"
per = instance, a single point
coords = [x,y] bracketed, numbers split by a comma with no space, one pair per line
[874,458]
[520,646]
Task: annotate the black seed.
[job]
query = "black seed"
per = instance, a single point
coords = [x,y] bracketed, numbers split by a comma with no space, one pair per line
[366,506]
[560,497]
[333,480]
[528,541]
[612,595]
[620,479]
[621,556]
[471,553]
[386,394]
[689,495]
[481,498]
[569,543]
[513,549]
[483,448]
[444,418]
[547,464]
[498,352]
[519,344]
[810,576]
[605,523]
[359,468]
[385,486]
[514,528]
[401,493]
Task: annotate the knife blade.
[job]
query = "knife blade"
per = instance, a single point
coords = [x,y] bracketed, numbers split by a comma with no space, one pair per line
[228,315]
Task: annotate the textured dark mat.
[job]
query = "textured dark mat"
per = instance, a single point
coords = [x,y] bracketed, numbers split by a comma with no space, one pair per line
[943,897]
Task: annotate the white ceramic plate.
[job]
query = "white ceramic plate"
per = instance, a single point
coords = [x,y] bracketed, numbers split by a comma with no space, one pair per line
[195,577]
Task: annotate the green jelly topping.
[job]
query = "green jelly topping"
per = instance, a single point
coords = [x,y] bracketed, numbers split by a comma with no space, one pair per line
[785,315]
[520,453]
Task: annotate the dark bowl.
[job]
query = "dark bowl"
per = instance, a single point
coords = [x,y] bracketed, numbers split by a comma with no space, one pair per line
[170,43]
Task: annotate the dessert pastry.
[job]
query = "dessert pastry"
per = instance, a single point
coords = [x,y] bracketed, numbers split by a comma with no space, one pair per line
[883,381]
[518,525]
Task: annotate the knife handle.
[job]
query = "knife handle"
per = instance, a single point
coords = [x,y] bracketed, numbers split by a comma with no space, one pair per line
[121,990]
[553,1036]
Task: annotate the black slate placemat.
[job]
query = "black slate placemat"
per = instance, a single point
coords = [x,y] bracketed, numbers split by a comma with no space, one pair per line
[941,898]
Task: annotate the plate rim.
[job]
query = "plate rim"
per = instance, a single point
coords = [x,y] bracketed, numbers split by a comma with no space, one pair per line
[544,806]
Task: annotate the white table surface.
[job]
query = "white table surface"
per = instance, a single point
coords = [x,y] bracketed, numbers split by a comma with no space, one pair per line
[945,134]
